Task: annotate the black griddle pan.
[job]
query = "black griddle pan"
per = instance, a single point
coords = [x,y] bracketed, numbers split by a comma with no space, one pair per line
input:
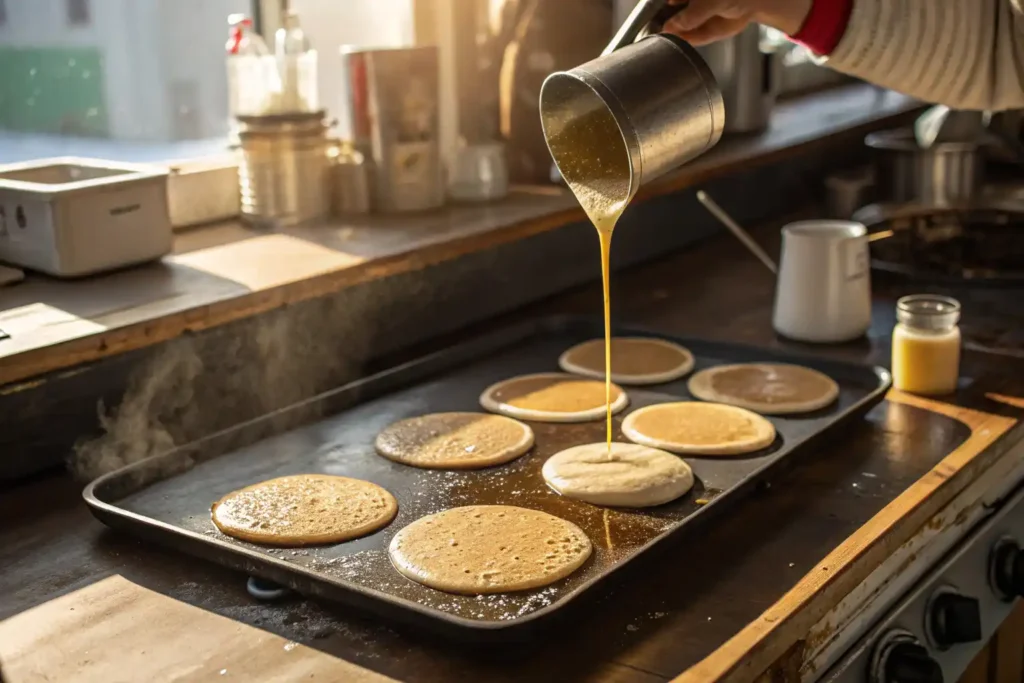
[167,498]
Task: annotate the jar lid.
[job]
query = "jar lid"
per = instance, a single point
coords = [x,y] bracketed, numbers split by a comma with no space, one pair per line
[928,311]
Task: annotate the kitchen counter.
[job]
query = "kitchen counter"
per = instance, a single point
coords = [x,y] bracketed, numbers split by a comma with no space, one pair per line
[764,592]
[224,273]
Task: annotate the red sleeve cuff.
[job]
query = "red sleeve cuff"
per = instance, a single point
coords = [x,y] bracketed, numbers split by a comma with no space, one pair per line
[824,26]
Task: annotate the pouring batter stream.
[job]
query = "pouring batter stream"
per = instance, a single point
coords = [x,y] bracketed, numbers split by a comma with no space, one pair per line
[593,160]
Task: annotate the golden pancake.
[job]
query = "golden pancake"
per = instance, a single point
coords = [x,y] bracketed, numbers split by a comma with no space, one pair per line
[699,428]
[768,388]
[489,549]
[551,397]
[635,360]
[455,440]
[304,509]
[634,476]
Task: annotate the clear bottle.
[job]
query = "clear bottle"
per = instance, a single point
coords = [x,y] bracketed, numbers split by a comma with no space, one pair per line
[246,51]
[243,39]
[296,64]
[926,345]
[290,39]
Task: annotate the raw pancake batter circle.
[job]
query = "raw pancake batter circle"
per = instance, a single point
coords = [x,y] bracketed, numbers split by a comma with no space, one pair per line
[767,388]
[634,476]
[304,509]
[455,440]
[551,397]
[482,549]
[699,428]
[635,360]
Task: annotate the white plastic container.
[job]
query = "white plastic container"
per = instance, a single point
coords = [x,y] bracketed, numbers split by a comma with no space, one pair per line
[203,191]
[70,217]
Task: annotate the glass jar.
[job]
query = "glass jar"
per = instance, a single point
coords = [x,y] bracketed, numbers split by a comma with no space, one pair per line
[926,345]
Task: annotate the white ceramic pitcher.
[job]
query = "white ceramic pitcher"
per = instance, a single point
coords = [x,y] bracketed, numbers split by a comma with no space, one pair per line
[823,293]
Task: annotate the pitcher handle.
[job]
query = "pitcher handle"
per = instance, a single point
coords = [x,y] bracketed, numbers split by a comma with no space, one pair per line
[648,17]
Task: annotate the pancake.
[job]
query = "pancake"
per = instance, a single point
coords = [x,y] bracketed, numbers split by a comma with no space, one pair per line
[551,397]
[304,509]
[482,549]
[635,476]
[699,428]
[458,441]
[635,360]
[768,388]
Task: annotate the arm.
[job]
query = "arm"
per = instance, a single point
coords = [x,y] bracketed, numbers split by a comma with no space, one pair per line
[967,54]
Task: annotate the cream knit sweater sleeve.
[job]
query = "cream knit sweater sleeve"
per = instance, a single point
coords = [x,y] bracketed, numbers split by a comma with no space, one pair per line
[967,54]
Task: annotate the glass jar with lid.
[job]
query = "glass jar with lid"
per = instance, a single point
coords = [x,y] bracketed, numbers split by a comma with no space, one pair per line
[926,345]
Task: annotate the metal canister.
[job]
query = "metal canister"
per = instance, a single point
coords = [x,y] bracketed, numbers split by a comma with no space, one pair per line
[749,77]
[664,121]
[350,183]
[284,176]
[393,110]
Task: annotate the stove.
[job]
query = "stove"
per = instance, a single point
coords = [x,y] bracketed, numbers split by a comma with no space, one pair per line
[932,629]
[981,246]
[941,624]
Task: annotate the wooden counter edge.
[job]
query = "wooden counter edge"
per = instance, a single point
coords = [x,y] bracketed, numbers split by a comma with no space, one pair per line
[765,642]
[39,361]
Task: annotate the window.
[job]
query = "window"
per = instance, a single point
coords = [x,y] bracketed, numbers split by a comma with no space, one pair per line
[122,80]
[78,12]
[146,80]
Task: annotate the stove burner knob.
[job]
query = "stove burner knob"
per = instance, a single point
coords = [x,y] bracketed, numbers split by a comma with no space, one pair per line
[1007,570]
[954,619]
[909,662]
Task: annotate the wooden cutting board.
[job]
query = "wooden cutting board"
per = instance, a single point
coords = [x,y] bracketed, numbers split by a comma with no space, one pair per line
[115,631]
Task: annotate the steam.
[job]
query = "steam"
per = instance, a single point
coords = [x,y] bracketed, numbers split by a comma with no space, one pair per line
[195,385]
[137,428]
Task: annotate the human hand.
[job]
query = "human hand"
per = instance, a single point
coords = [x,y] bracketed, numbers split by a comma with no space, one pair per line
[707,21]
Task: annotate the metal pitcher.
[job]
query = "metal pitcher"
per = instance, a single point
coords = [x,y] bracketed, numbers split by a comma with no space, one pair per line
[655,89]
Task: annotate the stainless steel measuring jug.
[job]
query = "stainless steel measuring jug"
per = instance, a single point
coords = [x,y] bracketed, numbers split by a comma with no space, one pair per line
[663,98]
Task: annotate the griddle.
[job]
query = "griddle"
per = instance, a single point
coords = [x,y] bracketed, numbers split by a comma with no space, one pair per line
[167,498]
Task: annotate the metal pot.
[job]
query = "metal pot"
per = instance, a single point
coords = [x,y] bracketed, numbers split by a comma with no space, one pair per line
[946,174]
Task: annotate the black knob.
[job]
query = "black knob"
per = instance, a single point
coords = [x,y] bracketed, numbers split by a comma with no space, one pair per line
[955,619]
[1008,570]
[909,662]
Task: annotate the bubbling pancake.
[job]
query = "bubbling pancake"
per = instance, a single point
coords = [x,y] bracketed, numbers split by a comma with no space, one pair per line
[767,388]
[699,428]
[629,475]
[551,397]
[455,441]
[482,549]
[635,360]
[304,509]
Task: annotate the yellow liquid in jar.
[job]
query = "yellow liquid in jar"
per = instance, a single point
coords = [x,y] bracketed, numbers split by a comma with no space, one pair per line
[926,363]
[593,160]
